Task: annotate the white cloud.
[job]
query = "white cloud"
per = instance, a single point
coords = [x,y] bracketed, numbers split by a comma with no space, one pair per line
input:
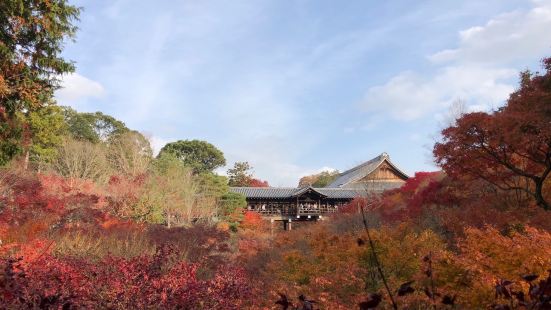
[76,87]
[508,37]
[157,143]
[409,95]
[326,169]
[480,70]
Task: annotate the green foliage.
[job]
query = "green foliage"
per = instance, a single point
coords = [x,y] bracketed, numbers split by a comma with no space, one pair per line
[47,127]
[32,35]
[11,131]
[94,127]
[232,206]
[240,174]
[169,193]
[325,178]
[212,185]
[321,179]
[201,156]
[173,195]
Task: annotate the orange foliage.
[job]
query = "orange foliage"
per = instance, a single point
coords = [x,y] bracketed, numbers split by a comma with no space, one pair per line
[487,256]
[252,220]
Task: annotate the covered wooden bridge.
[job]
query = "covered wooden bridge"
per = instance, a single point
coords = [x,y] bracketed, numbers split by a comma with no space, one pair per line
[289,204]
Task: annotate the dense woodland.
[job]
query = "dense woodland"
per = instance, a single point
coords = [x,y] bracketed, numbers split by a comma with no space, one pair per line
[89,218]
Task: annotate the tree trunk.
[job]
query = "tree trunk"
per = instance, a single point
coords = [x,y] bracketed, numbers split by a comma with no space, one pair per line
[26,160]
[538,194]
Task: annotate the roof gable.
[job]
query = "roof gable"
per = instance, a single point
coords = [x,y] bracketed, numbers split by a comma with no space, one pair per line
[308,190]
[363,170]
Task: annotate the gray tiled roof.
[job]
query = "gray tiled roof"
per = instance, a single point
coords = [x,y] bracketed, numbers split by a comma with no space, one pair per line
[342,188]
[288,192]
[363,170]
[265,192]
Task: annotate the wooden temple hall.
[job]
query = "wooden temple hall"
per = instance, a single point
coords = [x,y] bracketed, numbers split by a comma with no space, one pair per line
[288,204]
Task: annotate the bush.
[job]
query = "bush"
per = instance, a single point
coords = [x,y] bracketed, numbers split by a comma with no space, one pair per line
[144,282]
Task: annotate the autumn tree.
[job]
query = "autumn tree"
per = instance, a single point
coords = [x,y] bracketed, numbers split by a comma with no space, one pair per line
[241,175]
[77,159]
[201,156]
[321,179]
[172,191]
[232,207]
[509,148]
[129,153]
[258,183]
[93,127]
[32,36]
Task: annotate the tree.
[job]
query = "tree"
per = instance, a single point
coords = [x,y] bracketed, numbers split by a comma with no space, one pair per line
[201,156]
[321,179]
[509,148]
[171,194]
[258,183]
[231,209]
[173,189]
[240,174]
[212,185]
[94,127]
[81,160]
[32,35]
[129,153]
[48,128]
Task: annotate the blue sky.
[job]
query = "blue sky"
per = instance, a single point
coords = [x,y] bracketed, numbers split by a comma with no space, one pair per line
[294,87]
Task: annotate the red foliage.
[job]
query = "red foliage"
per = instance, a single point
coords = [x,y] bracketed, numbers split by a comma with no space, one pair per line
[28,196]
[422,190]
[509,148]
[145,282]
[252,220]
[123,192]
[420,178]
[203,244]
[354,205]
[258,183]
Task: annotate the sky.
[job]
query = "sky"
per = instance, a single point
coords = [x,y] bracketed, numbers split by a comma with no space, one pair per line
[297,87]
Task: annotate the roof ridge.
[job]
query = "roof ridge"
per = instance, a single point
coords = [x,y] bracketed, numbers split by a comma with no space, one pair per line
[365,163]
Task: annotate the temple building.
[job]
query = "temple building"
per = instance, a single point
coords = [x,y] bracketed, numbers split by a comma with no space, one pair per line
[309,203]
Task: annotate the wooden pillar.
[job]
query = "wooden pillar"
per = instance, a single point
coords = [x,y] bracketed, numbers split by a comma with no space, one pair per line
[287,225]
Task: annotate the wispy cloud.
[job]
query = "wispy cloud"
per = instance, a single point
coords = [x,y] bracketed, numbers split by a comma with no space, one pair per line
[481,70]
[276,83]
[76,88]
[409,96]
[506,38]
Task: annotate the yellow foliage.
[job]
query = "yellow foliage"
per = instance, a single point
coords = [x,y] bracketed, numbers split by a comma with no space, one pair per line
[487,256]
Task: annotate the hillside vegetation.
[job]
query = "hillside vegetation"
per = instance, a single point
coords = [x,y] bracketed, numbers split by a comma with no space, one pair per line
[90,218]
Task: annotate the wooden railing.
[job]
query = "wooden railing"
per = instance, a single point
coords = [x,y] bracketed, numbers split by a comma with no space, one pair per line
[292,210]
[316,210]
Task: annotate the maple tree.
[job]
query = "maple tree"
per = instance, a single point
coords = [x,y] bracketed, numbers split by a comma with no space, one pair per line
[258,183]
[511,147]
